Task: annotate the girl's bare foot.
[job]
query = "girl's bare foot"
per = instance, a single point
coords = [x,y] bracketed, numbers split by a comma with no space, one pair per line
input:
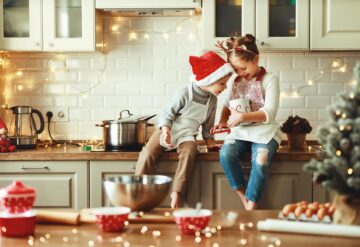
[175,199]
[251,205]
[241,193]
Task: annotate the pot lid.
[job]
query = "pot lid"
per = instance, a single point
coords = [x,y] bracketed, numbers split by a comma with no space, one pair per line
[16,188]
[130,118]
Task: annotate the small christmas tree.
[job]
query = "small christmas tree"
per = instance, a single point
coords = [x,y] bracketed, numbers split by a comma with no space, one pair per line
[338,168]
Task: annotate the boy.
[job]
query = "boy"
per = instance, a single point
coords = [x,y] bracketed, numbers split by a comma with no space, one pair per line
[179,123]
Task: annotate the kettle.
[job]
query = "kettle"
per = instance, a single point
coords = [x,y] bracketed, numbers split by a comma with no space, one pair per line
[23,130]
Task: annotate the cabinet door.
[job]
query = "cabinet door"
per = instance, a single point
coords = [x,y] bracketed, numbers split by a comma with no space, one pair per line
[20,25]
[287,183]
[58,184]
[69,25]
[335,25]
[101,170]
[282,24]
[220,19]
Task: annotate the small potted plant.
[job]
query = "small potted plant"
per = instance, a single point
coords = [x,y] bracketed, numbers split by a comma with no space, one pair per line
[296,129]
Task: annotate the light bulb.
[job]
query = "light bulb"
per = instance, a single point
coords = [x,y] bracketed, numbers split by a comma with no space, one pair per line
[335,64]
[115,28]
[338,153]
[311,82]
[350,171]
[191,36]
[166,36]
[133,36]
[178,28]
[146,36]
[19,73]
[343,69]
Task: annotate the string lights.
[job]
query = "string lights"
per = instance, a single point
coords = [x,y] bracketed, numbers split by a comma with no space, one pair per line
[137,34]
[336,65]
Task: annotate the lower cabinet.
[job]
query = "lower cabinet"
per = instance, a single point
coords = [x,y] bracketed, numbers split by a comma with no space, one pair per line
[287,183]
[58,184]
[101,170]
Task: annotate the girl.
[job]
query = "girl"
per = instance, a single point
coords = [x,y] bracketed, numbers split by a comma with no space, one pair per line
[254,131]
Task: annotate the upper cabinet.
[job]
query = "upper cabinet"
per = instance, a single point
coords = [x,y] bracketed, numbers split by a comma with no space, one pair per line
[282,24]
[285,24]
[277,24]
[335,25]
[222,18]
[47,25]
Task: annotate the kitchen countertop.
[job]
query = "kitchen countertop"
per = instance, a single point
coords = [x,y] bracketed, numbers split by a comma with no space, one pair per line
[89,235]
[75,153]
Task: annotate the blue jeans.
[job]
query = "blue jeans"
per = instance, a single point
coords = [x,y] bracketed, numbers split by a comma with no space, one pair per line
[261,155]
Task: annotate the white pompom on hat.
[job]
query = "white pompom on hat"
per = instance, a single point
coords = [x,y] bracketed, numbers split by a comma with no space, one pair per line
[208,68]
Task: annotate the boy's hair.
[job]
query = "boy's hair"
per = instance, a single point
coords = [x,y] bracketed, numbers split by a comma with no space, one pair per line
[243,47]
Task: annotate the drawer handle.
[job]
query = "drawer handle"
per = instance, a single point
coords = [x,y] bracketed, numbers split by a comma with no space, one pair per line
[35,168]
[133,167]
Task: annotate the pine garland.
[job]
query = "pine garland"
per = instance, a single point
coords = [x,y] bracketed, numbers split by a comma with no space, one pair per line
[338,168]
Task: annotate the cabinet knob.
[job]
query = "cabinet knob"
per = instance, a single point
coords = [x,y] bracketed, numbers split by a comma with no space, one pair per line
[262,43]
[36,43]
[51,44]
[133,167]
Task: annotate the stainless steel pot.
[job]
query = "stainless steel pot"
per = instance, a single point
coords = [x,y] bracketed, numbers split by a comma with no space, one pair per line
[125,133]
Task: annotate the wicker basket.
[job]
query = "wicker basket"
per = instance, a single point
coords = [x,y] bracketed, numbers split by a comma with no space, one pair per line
[296,140]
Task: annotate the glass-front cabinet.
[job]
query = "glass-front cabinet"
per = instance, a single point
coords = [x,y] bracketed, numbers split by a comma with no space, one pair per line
[222,18]
[47,25]
[277,24]
[20,25]
[282,24]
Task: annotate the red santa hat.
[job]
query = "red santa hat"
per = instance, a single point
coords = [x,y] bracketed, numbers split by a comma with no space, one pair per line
[2,124]
[208,68]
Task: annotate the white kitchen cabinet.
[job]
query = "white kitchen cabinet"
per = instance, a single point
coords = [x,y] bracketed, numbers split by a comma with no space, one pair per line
[277,24]
[335,25]
[219,20]
[282,24]
[58,184]
[287,183]
[100,170]
[48,25]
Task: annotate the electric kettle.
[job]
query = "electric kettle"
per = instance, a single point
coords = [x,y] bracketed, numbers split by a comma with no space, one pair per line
[23,130]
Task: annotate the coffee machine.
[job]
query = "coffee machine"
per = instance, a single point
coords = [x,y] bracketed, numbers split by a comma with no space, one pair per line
[23,130]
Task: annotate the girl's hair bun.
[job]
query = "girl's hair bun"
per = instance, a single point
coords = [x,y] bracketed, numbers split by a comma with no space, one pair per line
[249,38]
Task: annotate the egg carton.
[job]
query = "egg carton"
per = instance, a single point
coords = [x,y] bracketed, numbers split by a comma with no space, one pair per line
[302,217]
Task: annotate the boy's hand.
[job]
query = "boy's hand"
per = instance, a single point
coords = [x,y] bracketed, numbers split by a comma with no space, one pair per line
[167,135]
[211,146]
[235,117]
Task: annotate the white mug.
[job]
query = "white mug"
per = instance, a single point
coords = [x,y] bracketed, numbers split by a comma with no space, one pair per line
[241,105]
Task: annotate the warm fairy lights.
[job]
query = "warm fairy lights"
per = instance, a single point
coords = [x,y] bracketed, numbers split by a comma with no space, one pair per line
[350,171]
[336,65]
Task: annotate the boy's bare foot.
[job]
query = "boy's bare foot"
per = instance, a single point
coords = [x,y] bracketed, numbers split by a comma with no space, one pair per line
[175,199]
[251,205]
[244,200]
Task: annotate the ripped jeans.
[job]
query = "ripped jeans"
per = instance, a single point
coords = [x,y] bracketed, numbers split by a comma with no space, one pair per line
[261,155]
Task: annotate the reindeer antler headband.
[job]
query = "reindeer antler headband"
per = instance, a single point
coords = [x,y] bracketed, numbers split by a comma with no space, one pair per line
[220,45]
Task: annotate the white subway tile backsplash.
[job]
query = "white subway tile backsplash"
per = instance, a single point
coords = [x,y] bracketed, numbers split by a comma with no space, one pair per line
[41,101]
[301,63]
[291,76]
[79,114]
[292,102]
[140,51]
[104,89]
[92,102]
[141,101]
[71,101]
[275,63]
[128,89]
[153,63]
[54,88]
[128,63]
[165,76]
[143,75]
[78,63]
[116,102]
[165,50]
[317,101]
[330,88]
[154,89]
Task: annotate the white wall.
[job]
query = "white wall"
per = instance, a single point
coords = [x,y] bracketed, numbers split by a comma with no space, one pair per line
[142,75]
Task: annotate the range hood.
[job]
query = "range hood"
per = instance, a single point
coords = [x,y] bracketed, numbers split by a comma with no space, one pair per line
[130,5]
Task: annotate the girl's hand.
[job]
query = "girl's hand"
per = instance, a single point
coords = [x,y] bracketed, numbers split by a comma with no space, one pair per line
[167,136]
[218,126]
[235,118]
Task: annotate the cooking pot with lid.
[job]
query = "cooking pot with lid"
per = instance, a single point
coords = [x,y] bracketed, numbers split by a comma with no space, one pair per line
[125,133]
